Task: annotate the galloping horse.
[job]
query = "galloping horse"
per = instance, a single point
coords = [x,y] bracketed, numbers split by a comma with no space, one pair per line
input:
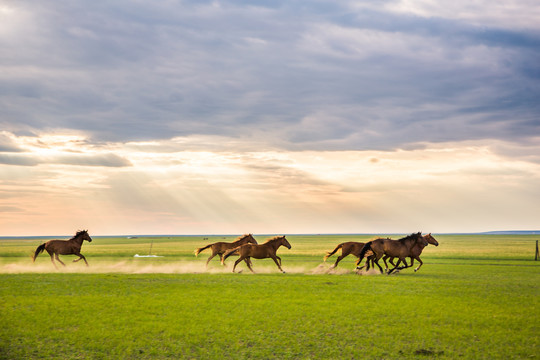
[219,248]
[64,247]
[393,248]
[262,251]
[348,248]
[416,250]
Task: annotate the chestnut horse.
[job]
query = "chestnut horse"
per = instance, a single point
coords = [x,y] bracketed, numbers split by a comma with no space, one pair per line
[415,253]
[393,248]
[64,247]
[219,248]
[266,250]
[348,248]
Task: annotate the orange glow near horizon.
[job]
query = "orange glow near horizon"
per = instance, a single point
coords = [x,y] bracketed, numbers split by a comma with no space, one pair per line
[171,187]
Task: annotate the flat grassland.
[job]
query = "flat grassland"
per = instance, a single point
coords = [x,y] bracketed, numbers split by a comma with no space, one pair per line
[476,297]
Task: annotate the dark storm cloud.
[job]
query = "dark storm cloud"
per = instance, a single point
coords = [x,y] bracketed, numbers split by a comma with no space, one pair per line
[304,75]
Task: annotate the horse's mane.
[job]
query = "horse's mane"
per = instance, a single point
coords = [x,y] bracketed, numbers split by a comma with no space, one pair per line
[273,239]
[243,236]
[412,236]
[79,233]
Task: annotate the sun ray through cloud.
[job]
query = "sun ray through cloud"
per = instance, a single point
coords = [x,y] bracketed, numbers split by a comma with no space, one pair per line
[223,117]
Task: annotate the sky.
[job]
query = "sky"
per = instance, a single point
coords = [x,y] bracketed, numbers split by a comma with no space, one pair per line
[269,117]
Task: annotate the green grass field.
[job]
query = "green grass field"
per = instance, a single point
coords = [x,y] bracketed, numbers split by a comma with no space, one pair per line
[476,297]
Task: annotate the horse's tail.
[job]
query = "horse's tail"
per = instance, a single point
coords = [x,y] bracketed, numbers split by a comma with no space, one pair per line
[197,251]
[328,254]
[365,249]
[228,253]
[39,250]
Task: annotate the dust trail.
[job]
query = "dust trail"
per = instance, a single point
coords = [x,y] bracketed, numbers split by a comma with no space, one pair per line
[327,269]
[372,271]
[125,267]
[270,269]
[129,266]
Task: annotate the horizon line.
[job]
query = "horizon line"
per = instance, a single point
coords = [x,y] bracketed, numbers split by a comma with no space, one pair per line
[493,232]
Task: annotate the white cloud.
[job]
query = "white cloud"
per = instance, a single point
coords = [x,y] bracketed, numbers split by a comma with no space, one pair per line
[57,149]
[509,14]
[222,115]
[181,190]
[155,72]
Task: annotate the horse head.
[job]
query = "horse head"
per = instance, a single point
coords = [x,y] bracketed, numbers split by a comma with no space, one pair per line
[84,235]
[284,242]
[250,239]
[431,240]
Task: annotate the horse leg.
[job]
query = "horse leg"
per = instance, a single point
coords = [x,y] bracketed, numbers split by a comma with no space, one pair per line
[277,257]
[237,262]
[340,257]
[369,263]
[358,267]
[376,262]
[420,261]
[248,262]
[212,256]
[82,257]
[222,259]
[52,260]
[406,266]
[385,264]
[274,257]
[395,266]
[366,265]
[58,259]
[401,260]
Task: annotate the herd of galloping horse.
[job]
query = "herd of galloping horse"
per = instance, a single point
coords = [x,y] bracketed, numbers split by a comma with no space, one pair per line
[246,247]
[410,246]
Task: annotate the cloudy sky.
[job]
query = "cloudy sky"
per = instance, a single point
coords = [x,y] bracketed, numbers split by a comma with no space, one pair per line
[277,117]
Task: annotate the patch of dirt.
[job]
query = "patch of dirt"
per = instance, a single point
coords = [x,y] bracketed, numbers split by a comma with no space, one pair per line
[427,352]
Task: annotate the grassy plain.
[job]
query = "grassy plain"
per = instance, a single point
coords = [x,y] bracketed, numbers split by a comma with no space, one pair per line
[476,297]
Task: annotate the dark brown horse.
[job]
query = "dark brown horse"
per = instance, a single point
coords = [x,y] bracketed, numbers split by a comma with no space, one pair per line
[262,251]
[393,248]
[348,248]
[416,251]
[219,248]
[64,247]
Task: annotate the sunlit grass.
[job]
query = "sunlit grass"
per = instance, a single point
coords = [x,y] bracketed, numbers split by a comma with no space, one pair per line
[466,302]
